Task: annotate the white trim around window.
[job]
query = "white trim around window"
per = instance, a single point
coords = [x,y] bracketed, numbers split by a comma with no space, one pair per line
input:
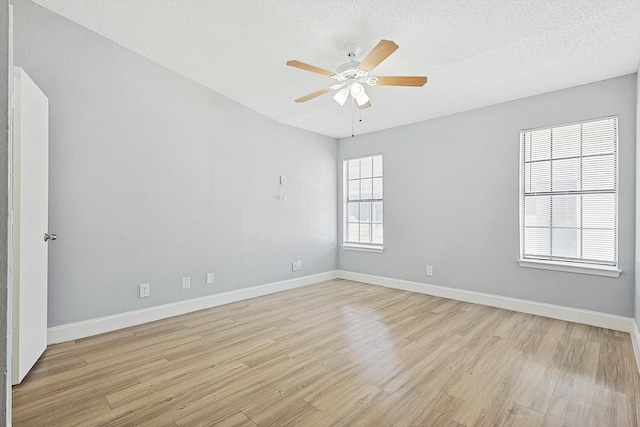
[363,204]
[569,197]
[591,269]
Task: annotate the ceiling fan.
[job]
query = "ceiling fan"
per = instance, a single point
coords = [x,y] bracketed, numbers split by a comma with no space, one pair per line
[352,75]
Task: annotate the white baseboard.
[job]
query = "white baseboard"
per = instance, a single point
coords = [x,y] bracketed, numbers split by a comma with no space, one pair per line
[100,325]
[593,318]
[77,330]
[635,339]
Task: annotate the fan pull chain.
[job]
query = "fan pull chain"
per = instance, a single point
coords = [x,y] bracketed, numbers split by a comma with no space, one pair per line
[353,118]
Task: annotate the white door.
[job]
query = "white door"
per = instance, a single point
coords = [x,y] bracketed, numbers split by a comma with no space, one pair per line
[30,194]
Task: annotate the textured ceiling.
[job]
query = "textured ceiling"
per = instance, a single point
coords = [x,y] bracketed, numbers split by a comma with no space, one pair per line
[475,52]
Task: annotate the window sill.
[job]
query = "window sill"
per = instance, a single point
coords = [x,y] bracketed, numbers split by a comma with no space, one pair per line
[591,269]
[363,248]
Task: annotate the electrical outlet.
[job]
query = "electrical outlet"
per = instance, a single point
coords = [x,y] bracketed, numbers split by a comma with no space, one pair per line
[186,282]
[429,270]
[296,265]
[210,278]
[145,290]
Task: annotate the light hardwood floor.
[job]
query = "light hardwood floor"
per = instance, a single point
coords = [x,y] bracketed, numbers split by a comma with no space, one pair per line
[338,353]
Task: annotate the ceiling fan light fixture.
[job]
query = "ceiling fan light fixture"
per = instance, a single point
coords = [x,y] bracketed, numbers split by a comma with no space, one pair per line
[341,95]
[362,99]
[358,93]
[356,90]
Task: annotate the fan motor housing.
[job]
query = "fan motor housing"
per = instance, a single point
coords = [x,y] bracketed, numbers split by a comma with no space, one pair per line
[350,71]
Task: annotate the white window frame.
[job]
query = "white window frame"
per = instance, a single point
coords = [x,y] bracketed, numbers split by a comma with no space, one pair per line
[359,246]
[563,265]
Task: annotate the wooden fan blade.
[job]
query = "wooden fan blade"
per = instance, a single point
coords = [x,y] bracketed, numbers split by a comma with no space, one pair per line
[314,94]
[401,80]
[365,106]
[311,68]
[377,55]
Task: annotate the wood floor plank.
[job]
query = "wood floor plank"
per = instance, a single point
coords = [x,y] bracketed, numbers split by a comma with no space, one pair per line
[514,415]
[636,394]
[442,411]
[577,381]
[284,412]
[608,406]
[65,413]
[338,353]
[97,383]
[563,412]
[611,365]
[236,419]
[169,377]
[535,385]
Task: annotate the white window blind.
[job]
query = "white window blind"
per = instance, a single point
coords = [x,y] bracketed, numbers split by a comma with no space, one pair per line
[363,208]
[569,193]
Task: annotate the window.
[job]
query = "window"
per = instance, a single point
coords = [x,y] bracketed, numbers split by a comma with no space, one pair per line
[569,195]
[363,206]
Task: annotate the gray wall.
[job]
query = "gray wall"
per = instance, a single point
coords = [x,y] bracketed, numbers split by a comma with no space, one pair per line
[451,199]
[637,281]
[154,177]
[5,389]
